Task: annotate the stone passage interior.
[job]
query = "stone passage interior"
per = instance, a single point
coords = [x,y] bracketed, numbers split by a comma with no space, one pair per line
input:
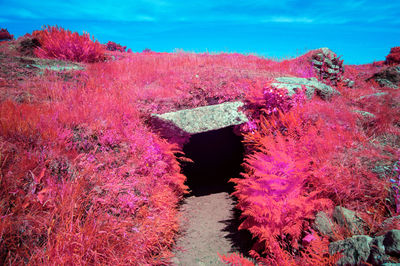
[217,157]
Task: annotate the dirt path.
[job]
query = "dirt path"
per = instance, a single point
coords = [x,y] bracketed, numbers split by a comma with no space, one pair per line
[207,229]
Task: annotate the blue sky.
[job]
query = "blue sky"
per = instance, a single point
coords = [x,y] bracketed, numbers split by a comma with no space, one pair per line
[361,31]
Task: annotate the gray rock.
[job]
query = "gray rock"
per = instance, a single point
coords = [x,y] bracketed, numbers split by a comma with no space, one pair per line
[328,53]
[378,94]
[384,171]
[355,249]
[364,113]
[390,220]
[65,67]
[324,224]
[389,77]
[386,83]
[312,85]
[332,71]
[203,119]
[377,254]
[349,220]
[392,243]
[316,62]
[327,65]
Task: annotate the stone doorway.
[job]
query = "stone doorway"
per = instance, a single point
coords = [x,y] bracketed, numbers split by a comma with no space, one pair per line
[217,156]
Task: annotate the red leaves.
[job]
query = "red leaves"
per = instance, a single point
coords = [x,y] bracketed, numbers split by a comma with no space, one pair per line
[235,259]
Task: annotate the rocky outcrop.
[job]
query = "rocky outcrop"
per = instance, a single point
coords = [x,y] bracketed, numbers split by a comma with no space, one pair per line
[324,224]
[355,249]
[312,85]
[342,217]
[362,248]
[389,77]
[359,248]
[328,65]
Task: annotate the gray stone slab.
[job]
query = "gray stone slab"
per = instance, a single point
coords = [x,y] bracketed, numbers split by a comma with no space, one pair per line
[293,85]
[378,94]
[59,68]
[206,118]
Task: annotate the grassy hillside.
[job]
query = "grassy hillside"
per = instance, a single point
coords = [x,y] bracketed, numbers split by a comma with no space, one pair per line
[85,180]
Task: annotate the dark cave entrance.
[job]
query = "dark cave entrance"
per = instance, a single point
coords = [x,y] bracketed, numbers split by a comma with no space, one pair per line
[217,157]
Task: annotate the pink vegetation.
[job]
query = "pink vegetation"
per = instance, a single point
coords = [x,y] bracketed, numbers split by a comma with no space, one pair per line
[394,56]
[63,44]
[83,180]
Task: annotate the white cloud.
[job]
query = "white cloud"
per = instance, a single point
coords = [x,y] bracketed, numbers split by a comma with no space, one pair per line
[287,19]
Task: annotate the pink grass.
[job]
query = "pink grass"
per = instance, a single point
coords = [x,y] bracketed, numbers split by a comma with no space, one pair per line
[83,180]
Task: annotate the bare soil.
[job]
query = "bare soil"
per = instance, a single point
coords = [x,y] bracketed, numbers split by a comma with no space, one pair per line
[209,226]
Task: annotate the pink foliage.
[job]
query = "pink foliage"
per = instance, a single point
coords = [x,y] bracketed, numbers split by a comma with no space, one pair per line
[83,179]
[394,56]
[5,35]
[112,46]
[62,44]
[235,259]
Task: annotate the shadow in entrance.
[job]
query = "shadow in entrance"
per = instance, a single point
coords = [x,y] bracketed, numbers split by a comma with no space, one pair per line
[217,157]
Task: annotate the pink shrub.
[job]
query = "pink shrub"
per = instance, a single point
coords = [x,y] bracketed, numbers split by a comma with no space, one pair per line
[112,46]
[62,44]
[394,56]
[5,35]
[273,196]
[84,183]
[303,161]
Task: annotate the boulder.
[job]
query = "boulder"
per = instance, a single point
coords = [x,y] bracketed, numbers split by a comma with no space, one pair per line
[323,224]
[362,248]
[348,83]
[349,220]
[355,249]
[377,254]
[327,65]
[312,85]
